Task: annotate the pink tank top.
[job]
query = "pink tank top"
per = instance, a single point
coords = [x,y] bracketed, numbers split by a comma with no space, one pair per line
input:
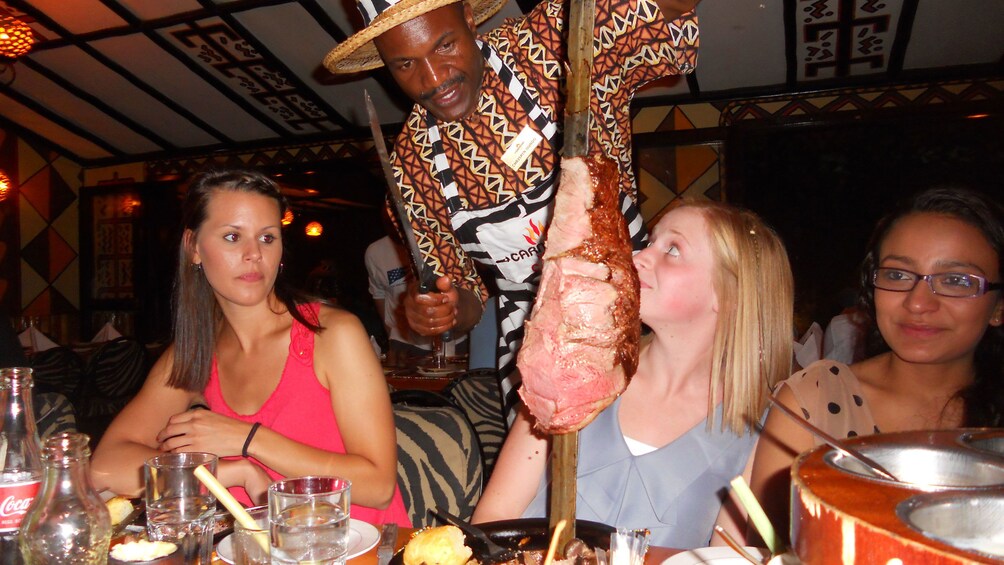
[300,409]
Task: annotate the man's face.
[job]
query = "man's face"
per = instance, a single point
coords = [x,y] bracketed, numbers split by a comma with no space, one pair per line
[435,61]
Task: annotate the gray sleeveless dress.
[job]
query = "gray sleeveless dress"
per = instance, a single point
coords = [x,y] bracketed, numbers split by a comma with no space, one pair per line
[675,491]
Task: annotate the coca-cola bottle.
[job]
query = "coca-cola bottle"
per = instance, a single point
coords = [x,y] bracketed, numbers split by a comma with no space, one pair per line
[20,464]
[68,523]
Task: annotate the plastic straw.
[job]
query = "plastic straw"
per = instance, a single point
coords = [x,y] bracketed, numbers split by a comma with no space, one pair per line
[757,515]
[229,502]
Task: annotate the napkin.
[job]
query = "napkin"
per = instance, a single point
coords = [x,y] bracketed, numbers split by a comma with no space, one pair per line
[35,339]
[844,339]
[106,333]
[809,348]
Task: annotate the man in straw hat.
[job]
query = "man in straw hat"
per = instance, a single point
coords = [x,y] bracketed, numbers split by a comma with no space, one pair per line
[477,159]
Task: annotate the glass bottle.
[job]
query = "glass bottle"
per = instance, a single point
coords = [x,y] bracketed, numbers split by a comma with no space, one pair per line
[20,464]
[68,523]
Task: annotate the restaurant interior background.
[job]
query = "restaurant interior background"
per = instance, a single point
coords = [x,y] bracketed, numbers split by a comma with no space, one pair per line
[817,114]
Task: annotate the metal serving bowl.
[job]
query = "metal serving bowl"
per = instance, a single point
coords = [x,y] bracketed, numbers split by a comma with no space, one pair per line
[991,441]
[970,522]
[926,467]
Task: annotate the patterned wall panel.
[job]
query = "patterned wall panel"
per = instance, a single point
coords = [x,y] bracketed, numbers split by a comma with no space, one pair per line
[113,246]
[182,168]
[48,232]
[904,97]
[666,173]
[231,58]
[837,38]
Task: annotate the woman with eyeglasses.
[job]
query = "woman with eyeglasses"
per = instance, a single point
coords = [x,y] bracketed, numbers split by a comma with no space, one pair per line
[931,289]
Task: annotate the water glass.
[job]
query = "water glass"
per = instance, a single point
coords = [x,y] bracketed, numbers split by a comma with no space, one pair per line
[628,547]
[179,508]
[251,546]
[309,519]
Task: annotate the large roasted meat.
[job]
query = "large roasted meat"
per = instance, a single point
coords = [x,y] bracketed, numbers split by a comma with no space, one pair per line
[581,342]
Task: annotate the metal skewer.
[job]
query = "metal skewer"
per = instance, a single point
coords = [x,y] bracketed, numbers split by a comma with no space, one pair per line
[833,442]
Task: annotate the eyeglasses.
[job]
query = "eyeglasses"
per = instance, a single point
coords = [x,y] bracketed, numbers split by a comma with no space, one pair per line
[955,285]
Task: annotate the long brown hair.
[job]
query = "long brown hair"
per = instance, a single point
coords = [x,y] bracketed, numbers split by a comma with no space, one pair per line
[984,398]
[752,351]
[197,314]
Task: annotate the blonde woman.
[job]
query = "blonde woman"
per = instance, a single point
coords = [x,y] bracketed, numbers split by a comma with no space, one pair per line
[716,293]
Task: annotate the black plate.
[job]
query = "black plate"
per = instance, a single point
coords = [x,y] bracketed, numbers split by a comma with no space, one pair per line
[531,533]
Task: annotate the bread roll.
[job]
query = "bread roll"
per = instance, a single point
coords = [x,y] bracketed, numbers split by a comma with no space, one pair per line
[443,545]
[119,507]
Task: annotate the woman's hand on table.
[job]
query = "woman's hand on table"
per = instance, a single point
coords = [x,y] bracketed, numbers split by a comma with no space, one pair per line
[202,430]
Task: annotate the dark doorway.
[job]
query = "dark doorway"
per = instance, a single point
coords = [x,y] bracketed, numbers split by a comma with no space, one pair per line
[823,187]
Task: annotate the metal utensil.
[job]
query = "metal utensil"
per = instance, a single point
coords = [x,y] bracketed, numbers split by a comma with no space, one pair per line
[425,273]
[388,539]
[833,442]
[736,546]
[493,552]
[426,276]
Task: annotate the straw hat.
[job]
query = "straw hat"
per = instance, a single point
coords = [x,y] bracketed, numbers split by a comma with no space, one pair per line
[357,53]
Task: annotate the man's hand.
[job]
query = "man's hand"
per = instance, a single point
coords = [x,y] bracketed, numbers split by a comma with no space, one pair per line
[449,308]
[432,313]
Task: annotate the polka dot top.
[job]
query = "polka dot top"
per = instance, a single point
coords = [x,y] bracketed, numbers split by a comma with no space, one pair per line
[830,397]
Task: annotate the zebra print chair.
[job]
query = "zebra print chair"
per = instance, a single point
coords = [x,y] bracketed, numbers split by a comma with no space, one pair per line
[53,414]
[479,394]
[438,456]
[113,375]
[58,369]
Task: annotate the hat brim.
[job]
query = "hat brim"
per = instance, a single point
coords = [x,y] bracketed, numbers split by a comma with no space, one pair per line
[358,53]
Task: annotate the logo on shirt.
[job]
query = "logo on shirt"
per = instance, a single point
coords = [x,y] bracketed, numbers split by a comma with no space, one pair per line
[397,274]
[533,233]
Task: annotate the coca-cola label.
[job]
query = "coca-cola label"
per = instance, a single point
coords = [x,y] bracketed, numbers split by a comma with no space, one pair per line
[15,498]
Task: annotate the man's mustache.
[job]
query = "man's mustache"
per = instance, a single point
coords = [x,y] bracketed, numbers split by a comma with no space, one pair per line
[426,96]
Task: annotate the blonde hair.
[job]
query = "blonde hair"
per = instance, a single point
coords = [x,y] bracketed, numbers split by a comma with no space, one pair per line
[752,350]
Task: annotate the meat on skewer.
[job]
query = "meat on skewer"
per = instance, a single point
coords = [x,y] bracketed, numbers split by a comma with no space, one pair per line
[580,346]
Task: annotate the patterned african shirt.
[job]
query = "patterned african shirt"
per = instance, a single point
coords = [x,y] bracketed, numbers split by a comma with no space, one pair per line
[633,45]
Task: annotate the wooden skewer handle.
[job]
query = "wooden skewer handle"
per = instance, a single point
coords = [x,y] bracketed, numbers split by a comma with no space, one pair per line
[563,466]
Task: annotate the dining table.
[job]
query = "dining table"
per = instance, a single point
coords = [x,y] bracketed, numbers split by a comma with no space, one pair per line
[655,555]
[419,374]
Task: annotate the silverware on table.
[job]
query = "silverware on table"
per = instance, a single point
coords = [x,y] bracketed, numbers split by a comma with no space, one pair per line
[492,552]
[833,442]
[388,539]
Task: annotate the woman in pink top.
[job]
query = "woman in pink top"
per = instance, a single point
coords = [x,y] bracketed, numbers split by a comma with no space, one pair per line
[293,388]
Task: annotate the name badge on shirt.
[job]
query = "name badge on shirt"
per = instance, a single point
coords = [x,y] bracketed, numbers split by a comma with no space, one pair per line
[522,147]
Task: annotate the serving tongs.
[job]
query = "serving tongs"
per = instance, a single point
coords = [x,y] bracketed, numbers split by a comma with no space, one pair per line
[493,552]
[835,443]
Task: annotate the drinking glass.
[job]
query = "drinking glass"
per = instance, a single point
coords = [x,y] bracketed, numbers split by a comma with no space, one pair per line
[179,508]
[439,345]
[251,546]
[309,519]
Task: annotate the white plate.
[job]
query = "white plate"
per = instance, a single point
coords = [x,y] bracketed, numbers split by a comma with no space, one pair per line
[437,371]
[363,536]
[712,556]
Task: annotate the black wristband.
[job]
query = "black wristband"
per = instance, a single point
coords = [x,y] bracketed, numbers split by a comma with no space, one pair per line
[247,442]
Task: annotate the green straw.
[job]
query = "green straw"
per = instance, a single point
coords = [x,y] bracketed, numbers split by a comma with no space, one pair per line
[757,515]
